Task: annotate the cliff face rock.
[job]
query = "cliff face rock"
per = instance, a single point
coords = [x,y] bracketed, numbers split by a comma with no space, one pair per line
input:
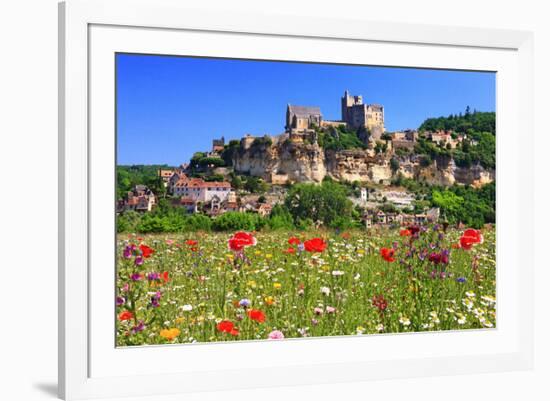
[475,176]
[300,162]
[357,165]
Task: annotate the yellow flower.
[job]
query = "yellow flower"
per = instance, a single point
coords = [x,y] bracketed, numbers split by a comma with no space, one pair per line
[268,256]
[360,251]
[277,285]
[257,253]
[180,320]
[251,284]
[170,334]
[269,300]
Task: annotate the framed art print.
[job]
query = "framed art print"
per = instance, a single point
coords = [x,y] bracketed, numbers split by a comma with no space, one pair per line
[293,202]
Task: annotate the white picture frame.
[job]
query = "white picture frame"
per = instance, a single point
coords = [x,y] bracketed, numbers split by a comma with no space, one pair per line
[92,31]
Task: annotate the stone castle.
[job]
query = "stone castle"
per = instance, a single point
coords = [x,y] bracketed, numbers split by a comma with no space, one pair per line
[355,115]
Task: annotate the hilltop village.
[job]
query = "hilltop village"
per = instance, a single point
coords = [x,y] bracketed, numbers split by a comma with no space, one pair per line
[387,175]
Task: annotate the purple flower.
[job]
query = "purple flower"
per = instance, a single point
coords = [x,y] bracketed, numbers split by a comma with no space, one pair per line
[139,260]
[155,300]
[435,258]
[301,247]
[138,328]
[153,276]
[120,301]
[461,280]
[395,244]
[445,253]
[135,277]
[127,253]
[245,302]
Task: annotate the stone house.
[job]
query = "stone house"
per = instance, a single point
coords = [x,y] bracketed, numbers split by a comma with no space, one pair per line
[264,209]
[301,118]
[218,145]
[140,199]
[165,175]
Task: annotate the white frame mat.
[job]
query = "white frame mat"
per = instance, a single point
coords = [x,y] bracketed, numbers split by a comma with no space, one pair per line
[91,32]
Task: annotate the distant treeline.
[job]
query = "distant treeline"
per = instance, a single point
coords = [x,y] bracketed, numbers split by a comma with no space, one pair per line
[127,177]
[478,148]
[466,123]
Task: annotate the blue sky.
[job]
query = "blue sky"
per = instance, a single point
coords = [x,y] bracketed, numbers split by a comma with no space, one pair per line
[170,107]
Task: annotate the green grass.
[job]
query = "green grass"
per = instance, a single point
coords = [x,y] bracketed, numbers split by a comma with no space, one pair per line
[212,280]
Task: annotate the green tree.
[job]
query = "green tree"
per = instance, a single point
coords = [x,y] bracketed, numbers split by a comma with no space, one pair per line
[394,165]
[324,203]
[255,185]
[450,204]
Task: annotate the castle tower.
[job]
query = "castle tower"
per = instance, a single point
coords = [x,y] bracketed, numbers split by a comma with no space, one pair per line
[348,102]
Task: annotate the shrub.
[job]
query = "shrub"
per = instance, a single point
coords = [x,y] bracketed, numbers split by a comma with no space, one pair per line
[233,221]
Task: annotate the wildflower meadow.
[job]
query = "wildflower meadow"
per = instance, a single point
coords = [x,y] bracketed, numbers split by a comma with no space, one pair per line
[274,285]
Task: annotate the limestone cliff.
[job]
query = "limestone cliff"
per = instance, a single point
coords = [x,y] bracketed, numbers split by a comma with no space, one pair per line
[308,162]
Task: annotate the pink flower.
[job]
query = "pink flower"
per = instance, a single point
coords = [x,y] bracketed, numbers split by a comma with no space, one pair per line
[276,335]
[331,309]
[318,311]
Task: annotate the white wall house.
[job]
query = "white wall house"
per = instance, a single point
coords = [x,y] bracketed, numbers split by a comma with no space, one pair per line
[202,191]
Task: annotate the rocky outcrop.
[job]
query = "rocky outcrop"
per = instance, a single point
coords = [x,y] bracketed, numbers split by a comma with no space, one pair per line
[308,162]
[357,165]
[300,162]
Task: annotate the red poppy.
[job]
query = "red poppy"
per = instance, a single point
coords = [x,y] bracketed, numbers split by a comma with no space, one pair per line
[405,233]
[256,315]
[290,250]
[387,254]
[146,251]
[164,276]
[126,315]
[294,241]
[241,240]
[191,242]
[315,245]
[470,237]
[380,302]
[413,229]
[225,326]
[234,332]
